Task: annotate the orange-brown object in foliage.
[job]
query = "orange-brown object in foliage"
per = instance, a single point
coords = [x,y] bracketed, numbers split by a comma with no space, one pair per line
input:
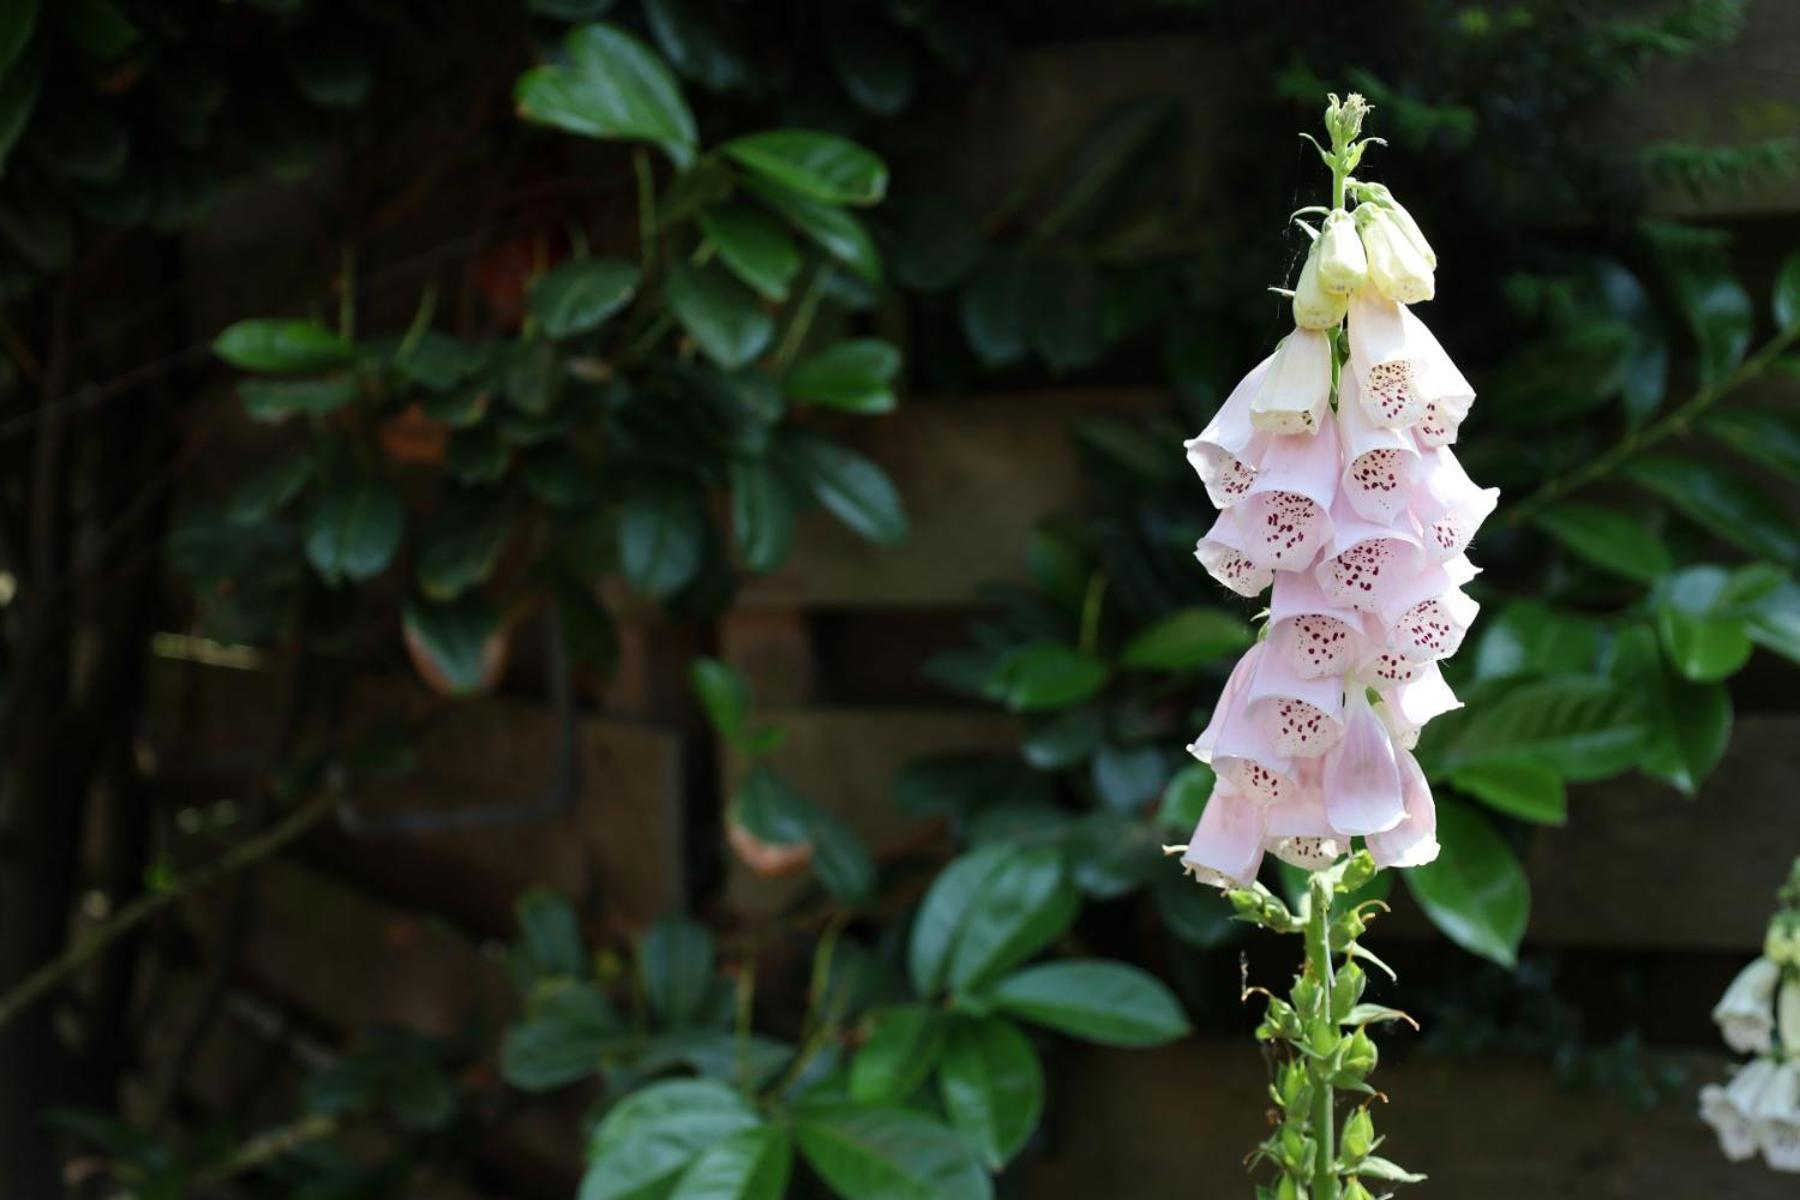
[493,663]
[412,437]
[770,860]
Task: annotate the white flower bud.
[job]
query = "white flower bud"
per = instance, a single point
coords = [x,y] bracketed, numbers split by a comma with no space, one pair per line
[1377,193]
[1787,1016]
[1343,266]
[1314,307]
[1745,1013]
[1297,390]
[1396,268]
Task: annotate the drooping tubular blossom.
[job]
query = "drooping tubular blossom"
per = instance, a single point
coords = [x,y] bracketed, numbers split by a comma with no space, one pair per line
[1331,466]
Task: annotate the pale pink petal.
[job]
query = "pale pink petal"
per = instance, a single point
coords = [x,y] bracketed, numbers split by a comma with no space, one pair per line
[1225,453]
[1413,842]
[1380,362]
[1445,394]
[1408,708]
[1283,515]
[1434,627]
[1223,553]
[1243,753]
[1317,638]
[1361,777]
[1296,393]
[1235,686]
[1379,463]
[1302,718]
[1364,562]
[1448,504]
[1227,847]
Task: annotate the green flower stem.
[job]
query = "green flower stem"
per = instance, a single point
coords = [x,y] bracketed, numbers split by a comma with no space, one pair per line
[1637,441]
[1318,957]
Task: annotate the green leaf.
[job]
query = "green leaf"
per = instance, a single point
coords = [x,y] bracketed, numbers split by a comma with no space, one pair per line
[675,963]
[1529,638]
[724,694]
[1183,640]
[935,245]
[754,245]
[1583,728]
[819,166]
[1689,723]
[1025,904]
[662,538]
[1519,788]
[947,905]
[16,24]
[549,934]
[1607,538]
[723,317]
[1703,632]
[870,60]
[1065,740]
[1094,999]
[899,1054]
[1775,622]
[751,1165]
[992,1086]
[280,345]
[993,310]
[570,1027]
[1720,314]
[855,375]
[832,229]
[654,1134]
[1047,675]
[1128,778]
[774,812]
[1185,798]
[1476,891]
[1762,434]
[852,489]
[613,87]
[888,1154]
[1786,302]
[354,529]
[579,295]
[1722,501]
[270,489]
[275,400]
[1197,914]
[458,639]
[699,41]
[762,514]
[463,547]
[438,363]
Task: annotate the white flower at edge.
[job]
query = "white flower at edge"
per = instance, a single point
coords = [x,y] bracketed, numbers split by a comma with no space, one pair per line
[1729,1108]
[1745,1013]
[1343,264]
[1314,306]
[1776,1116]
[1396,267]
[1296,393]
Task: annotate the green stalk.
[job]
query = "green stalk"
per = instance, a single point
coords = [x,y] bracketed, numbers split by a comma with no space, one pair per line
[1318,956]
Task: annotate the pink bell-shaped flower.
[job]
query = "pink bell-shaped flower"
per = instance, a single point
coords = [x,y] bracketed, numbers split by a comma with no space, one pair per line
[1225,555]
[1284,516]
[1448,504]
[1303,717]
[1413,842]
[1227,846]
[1295,396]
[1317,638]
[1407,708]
[1226,452]
[1297,831]
[1361,775]
[1235,685]
[1440,388]
[1365,563]
[1379,463]
[1378,359]
[1243,753]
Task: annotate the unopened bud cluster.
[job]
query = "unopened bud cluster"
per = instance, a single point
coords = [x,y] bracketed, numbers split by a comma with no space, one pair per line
[1757,1111]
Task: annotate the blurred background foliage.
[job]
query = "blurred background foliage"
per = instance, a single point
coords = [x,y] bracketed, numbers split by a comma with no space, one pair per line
[668,322]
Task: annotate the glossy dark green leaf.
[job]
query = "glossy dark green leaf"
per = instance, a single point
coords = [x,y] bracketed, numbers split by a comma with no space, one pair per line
[675,965]
[725,695]
[1062,312]
[936,243]
[562,1039]
[762,514]
[1065,740]
[1024,905]
[1610,539]
[819,166]
[654,1134]
[270,489]
[1705,636]
[899,1053]
[461,549]
[1527,637]
[549,935]
[1519,788]
[1047,675]
[941,915]
[579,295]
[1094,999]
[1689,723]
[774,812]
[662,539]
[855,375]
[751,1165]
[1774,622]
[1185,798]
[1722,501]
[992,1086]
[1584,728]
[612,86]
[270,344]
[354,529]
[993,310]
[1719,313]
[872,61]
[879,1153]
[1130,778]
[700,39]
[1786,302]
[852,488]
[275,400]
[477,455]
[1188,638]
[754,246]
[1197,914]
[1764,435]
[832,229]
[458,640]
[1476,891]
[438,363]
[723,316]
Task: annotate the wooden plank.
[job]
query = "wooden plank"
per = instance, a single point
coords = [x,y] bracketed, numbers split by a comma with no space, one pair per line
[1179,1122]
[845,761]
[977,475]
